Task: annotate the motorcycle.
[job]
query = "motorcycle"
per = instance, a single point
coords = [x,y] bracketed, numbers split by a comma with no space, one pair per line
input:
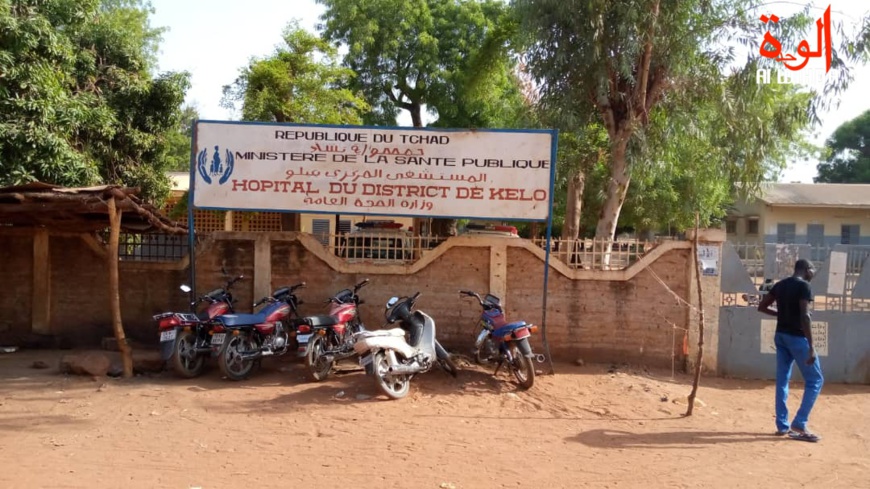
[507,343]
[187,339]
[327,339]
[254,336]
[391,360]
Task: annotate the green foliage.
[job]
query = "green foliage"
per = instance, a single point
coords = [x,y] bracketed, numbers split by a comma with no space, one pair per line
[178,141]
[78,102]
[849,153]
[301,82]
[451,56]
[658,74]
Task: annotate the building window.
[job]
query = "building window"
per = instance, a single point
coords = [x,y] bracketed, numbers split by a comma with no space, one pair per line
[816,240]
[752,227]
[731,226]
[320,230]
[785,233]
[850,234]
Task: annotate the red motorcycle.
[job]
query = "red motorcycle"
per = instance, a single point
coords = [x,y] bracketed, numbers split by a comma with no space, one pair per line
[254,336]
[506,343]
[187,339]
[327,339]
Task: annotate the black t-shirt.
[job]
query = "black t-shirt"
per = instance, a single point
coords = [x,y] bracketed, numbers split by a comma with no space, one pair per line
[788,294]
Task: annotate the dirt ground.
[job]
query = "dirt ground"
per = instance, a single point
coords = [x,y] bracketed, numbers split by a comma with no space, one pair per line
[589,426]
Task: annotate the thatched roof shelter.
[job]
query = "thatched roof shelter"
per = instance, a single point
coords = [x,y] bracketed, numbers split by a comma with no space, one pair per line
[48,208]
[83,209]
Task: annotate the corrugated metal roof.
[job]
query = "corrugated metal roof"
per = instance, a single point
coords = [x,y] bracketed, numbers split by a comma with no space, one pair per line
[816,194]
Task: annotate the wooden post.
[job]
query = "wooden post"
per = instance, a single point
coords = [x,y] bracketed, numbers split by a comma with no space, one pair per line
[701,320]
[41,309]
[114,293]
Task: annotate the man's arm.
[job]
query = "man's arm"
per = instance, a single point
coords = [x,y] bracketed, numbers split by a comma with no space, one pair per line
[764,305]
[806,322]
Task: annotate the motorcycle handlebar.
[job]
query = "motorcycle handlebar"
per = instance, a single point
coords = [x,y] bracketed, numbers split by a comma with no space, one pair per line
[472,294]
[264,299]
[361,284]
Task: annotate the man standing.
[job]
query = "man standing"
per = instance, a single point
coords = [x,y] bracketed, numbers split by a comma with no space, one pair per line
[794,343]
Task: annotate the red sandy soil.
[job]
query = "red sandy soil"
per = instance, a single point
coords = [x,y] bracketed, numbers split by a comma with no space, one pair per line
[584,427]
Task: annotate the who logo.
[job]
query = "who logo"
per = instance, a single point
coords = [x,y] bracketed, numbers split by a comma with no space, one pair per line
[795,66]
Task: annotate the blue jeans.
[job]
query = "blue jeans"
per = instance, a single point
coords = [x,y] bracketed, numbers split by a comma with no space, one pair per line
[791,349]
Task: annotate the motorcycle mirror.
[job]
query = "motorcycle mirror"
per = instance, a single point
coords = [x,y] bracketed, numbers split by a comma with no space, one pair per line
[185,288]
[392,302]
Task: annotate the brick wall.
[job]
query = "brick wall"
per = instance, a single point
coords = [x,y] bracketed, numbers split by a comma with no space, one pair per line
[16,264]
[592,315]
[603,320]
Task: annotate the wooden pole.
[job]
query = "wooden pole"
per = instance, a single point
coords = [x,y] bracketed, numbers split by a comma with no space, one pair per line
[114,293]
[701,321]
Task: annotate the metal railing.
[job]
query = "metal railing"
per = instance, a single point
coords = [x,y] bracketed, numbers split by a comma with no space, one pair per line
[597,254]
[150,247]
[379,247]
[753,256]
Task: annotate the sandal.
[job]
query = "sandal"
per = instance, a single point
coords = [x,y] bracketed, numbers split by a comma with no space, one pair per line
[781,433]
[803,436]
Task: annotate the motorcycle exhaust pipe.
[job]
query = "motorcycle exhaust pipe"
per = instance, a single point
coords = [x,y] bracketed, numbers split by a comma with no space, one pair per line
[405,369]
[251,356]
[540,358]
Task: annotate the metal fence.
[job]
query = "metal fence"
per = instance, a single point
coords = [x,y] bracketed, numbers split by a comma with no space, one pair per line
[839,269]
[380,248]
[150,247]
[597,254]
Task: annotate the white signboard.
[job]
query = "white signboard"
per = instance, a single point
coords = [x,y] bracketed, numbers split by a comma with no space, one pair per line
[837,273]
[708,255]
[386,171]
[820,336]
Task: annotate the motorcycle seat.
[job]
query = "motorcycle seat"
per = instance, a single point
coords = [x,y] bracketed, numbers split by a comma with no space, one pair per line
[231,320]
[381,332]
[322,320]
[507,328]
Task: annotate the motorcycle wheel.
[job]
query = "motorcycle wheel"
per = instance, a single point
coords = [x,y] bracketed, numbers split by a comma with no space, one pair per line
[185,362]
[318,367]
[394,386]
[229,358]
[483,353]
[522,368]
[445,360]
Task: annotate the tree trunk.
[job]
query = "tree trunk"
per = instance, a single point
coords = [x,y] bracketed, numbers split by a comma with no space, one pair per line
[576,186]
[617,189]
[114,293]
[416,111]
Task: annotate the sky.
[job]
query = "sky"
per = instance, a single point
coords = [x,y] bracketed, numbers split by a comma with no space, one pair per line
[213,39]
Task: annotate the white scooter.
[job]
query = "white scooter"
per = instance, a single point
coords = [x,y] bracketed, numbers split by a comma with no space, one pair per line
[390,359]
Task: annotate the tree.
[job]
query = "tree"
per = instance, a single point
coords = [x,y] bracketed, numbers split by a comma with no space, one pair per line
[449,56]
[849,153]
[301,82]
[616,62]
[179,140]
[78,102]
